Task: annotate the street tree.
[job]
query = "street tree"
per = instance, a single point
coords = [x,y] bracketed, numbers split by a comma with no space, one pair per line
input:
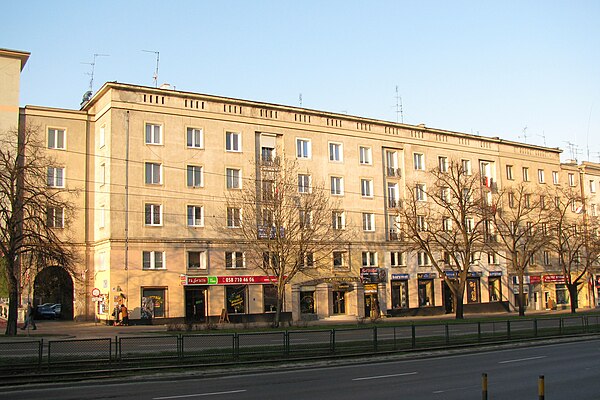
[521,220]
[444,218]
[286,228]
[32,214]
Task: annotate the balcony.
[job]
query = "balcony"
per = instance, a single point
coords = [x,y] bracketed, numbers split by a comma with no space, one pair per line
[267,160]
[395,235]
[393,172]
[394,203]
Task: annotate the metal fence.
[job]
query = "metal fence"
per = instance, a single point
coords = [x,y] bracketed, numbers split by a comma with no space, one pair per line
[211,349]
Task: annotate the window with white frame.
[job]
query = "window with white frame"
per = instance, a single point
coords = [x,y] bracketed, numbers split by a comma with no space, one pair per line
[368,221]
[555,177]
[194,138]
[153,133]
[234,176]
[546,257]
[335,152]
[153,260]
[509,172]
[234,217]
[233,141]
[541,176]
[195,216]
[339,260]
[153,214]
[525,174]
[338,219]
[303,183]
[196,260]
[393,196]
[391,163]
[443,163]
[369,258]
[366,187]
[303,148]
[55,217]
[305,218]
[365,155]
[445,194]
[421,223]
[235,260]
[447,224]
[397,259]
[55,177]
[469,224]
[56,138]
[337,185]
[419,161]
[101,261]
[307,260]
[592,186]
[571,178]
[466,167]
[153,173]
[492,258]
[593,210]
[423,259]
[194,176]
[420,192]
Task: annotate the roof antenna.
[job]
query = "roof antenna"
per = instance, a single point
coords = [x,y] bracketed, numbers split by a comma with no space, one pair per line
[524,135]
[155,76]
[88,95]
[399,107]
[300,99]
[543,136]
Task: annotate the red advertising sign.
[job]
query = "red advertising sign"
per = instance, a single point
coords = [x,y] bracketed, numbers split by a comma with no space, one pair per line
[240,280]
[535,279]
[553,279]
[197,280]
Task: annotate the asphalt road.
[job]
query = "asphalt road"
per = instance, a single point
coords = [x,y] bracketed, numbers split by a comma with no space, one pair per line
[571,370]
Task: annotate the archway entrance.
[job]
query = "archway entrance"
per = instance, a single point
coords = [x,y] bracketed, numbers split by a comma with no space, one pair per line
[55,285]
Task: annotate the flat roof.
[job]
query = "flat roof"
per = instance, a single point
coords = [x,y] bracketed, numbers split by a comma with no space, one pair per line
[21,55]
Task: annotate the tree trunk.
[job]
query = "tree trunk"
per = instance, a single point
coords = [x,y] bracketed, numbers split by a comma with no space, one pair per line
[277,320]
[13,313]
[574,297]
[521,297]
[459,306]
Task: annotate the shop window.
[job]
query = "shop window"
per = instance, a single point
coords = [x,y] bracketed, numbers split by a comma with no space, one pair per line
[153,303]
[307,302]
[426,297]
[339,302]
[473,290]
[270,298]
[562,294]
[236,297]
[495,288]
[399,294]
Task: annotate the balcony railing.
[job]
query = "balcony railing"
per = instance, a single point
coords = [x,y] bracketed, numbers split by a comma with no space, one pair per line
[394,172]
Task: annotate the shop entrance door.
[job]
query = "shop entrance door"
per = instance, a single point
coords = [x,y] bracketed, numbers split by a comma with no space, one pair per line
[195,304]
[448,299]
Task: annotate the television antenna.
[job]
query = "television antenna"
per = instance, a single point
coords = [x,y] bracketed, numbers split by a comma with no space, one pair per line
[524,136]
[300,99]
[573,150]
[543,136]
[155,76]
[399,111]
[93,64]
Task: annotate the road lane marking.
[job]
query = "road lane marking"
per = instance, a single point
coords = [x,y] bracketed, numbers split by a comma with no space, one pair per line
[384,376]
[198,395]
[521,359]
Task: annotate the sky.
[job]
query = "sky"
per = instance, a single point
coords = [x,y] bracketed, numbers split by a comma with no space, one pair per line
[522,70]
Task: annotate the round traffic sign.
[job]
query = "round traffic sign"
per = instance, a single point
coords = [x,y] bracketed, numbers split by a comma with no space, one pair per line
[95,292]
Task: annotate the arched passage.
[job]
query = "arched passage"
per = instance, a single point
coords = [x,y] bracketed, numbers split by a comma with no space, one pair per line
[55,285]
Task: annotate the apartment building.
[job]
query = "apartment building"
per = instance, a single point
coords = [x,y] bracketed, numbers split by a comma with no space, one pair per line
[154,167]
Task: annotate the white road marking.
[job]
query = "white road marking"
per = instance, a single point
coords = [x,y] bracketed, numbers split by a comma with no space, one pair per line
[198,395]
[521,359]
[384,376]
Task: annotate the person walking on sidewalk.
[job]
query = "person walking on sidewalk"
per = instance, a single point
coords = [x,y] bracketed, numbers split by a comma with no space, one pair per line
[124,315]
[29,317]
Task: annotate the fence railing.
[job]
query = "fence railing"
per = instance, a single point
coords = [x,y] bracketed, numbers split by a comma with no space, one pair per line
[217,348]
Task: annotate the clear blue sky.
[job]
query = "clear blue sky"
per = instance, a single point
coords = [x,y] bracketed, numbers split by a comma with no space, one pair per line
[487,67]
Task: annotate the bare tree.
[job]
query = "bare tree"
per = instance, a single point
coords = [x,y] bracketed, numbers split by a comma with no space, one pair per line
[520,230]
[445,219]
[287,226]
[32,215]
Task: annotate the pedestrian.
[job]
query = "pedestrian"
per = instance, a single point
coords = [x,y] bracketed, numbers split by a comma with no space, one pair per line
[29,317]
[124,315]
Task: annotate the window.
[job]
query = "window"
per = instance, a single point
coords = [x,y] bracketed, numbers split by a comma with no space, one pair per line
[269,298]
[391,163]
[543,204]
[55,217]
[234,260]
[369,258]
[153,134]
[397,259]
[527,200]
[153,260]
[446,224]
[233,142]
[338,219]
[307,260]
[423,259]
[366,187]
[102,137]
[509,172]
[443,163]
[234,217]
[194,137]
[365,155]
[102,174]
[337,185]
[153,303]
[153,173]
[55,177]
[511,199]
[393,195]
[303,183]
[594,212]
[525,174]
[267,155]
[419,161]
[555,177]
[335,152]
[194,176]
[421,223]
[56,138]
[368,220]
[305,218]
[236,298]
[592,186]
[153,214]
[102,217]
[339,259]
[233,178]
[492,258]
[546,257]
[571,180]
[445,194]
[196,260]
[420,194]
[473,290]
[466,167]
[469,224]
[541,176]
[307,302]
[195,216]
[303,148]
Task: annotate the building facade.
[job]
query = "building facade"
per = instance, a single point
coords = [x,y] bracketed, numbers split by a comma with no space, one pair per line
[154,167]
